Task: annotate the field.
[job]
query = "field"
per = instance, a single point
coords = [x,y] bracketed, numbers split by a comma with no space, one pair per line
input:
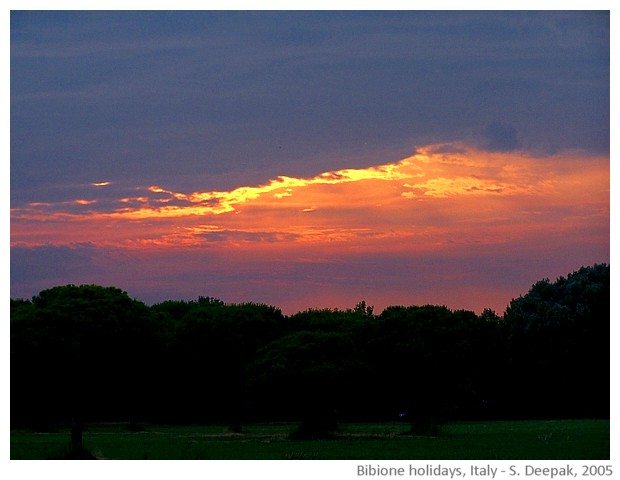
[501,440]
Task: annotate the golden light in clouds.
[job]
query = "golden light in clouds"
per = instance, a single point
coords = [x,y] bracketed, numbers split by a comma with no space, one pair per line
[442,196]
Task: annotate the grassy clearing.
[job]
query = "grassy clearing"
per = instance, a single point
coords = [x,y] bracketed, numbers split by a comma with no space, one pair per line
[504,440]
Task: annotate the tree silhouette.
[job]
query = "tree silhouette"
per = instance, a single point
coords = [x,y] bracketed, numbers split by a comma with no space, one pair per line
[85,350]
[557,340]
[82,353]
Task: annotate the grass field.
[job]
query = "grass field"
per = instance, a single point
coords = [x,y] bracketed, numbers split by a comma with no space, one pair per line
[502,440]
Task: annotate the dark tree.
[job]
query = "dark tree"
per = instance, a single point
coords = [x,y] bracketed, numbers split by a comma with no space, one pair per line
[210,348]
[305,376]
[82,352]
[558,346]
[433,361]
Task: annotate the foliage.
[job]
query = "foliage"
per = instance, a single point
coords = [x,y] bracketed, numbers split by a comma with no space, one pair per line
[210,346]
[439,359]
[81,349]
[94,351]
[558,345]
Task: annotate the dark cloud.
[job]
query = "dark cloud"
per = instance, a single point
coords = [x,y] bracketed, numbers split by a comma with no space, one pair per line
[500,137]
[207,98]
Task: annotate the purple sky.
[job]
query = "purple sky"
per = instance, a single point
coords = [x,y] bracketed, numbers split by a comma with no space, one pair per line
[262,156]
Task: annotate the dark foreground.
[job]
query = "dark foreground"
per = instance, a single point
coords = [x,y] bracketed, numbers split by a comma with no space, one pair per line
[501,440]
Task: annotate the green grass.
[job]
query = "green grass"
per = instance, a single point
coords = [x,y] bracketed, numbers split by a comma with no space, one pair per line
[502,440]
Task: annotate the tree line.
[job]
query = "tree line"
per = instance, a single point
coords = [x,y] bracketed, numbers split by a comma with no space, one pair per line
[94,353]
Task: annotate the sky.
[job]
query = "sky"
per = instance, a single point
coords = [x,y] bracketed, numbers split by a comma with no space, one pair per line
[309,159]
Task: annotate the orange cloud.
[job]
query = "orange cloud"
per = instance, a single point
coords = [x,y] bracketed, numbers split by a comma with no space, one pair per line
[441,196]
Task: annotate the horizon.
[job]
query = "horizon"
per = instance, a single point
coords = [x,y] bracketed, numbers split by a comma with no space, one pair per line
[335,309]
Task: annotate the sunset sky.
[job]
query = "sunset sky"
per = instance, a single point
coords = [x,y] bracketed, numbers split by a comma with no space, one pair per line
[309,159]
